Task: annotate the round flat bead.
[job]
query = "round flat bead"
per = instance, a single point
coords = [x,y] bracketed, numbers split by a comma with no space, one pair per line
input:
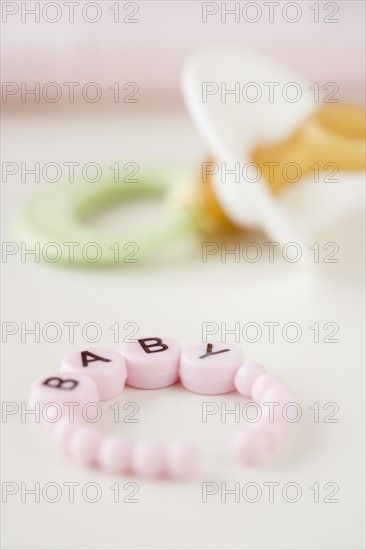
[148,459]
[151,362]
[253,446]
[115,453]
[245,377]
[106,367]
[63,388]
[181,460]
[83,444]
[264,383]
[210,368]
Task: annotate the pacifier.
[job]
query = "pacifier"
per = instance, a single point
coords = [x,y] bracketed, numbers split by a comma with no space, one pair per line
[268,141]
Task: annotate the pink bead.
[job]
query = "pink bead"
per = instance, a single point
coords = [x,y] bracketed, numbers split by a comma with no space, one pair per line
[264,383]
[210,368]
[277,430]
[282,395]
[63,430]
[115,453]
[148,459]
[62,388]
[151,362]
[253,446]
[83,444]
[106,367]
[279,393]
[74,416]
[182,460]
[245,377]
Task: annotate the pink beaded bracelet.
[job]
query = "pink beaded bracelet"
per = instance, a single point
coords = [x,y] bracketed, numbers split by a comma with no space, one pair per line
[98,374]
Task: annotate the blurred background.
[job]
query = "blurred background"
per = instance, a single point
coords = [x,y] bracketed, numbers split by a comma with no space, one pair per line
[132,55]
[151,40]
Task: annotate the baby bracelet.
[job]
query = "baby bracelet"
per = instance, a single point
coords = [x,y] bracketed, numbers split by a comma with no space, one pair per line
[98,374]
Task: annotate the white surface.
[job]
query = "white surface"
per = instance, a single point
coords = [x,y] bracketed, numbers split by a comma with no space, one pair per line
[175,300]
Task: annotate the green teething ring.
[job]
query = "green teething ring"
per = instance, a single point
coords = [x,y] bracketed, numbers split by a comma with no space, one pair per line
[61,214]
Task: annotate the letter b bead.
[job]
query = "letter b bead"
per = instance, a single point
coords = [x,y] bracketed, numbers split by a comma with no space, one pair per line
[151,362]
[63,388]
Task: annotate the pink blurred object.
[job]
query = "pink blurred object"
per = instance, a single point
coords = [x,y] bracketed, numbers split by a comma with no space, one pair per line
[83,444]
[181,461]
[264,383]
[151,40]
[245,377]
[114,454]
[148,459]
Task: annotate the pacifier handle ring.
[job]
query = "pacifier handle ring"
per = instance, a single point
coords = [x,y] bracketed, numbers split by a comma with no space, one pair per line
[62,215]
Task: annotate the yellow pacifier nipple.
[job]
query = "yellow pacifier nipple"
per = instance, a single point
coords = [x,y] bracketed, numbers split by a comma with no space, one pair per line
[332,138]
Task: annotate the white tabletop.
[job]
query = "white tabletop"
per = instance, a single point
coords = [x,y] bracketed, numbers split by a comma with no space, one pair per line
[175,300]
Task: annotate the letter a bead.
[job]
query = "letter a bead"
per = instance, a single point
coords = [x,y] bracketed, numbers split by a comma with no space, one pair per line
[106,367]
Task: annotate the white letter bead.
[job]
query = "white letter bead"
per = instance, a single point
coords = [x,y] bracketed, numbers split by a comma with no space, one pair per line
[106,367]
